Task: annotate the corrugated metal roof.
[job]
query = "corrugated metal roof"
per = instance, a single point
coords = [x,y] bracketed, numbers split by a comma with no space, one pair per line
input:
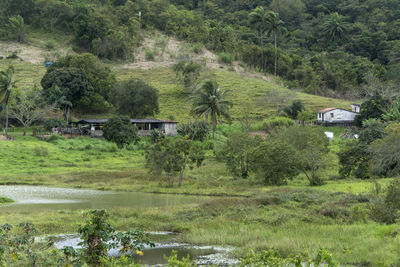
[326,110]
[132,120]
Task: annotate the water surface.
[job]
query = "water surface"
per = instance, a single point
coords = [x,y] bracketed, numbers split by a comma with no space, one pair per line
[40,197]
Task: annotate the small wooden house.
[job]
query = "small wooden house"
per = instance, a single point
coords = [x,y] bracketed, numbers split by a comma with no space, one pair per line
[145,126]
[337,116]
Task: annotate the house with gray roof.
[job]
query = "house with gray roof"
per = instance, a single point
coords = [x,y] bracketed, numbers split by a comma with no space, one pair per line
[145,126]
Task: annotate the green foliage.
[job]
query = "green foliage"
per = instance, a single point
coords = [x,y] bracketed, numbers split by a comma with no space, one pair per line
[373,108]
[276,161]
[210,100]
[312,148]
[276,123]
[237,153]
[386,209]
[174,261]
[197,130]
[226,58]
[16,25]
[188,73]
[100,77]
[386,155]
[294,109]
[136,98]
[172,156]
[120,131]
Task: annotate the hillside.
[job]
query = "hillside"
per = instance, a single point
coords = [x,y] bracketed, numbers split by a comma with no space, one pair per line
[245,86]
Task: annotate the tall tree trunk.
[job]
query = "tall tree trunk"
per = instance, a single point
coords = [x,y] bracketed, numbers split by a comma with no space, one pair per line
[24,130]
[7,119]
[275,52]
[262,49]
[206,117]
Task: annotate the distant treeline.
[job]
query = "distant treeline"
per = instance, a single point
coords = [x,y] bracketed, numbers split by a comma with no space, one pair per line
[330,47]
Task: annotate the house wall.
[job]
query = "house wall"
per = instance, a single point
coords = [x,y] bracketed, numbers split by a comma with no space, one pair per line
[355,108]
[170,129]
[339,115]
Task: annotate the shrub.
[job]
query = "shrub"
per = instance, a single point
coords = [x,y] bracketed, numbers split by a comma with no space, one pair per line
[197,48]
[226,58]
[149,54]
[54,138]
[120,131]
[277,122]
[50,44]
[197,130]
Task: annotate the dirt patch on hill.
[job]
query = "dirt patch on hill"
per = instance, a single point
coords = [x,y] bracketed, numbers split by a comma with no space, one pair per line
[164,51]
[26,52]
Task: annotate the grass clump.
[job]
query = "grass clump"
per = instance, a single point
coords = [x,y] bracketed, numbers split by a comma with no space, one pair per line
[4,200]
[226,58]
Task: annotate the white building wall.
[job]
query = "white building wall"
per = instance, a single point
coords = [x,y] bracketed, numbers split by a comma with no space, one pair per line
[170,129]
[336,115]
[355,108]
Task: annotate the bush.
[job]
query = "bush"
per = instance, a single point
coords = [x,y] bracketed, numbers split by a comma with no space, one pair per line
[197,48]
[120,131]
[277,122]
[50,44]
[386,209]
[197,130]
[54,138]
[149,54]
[226,58]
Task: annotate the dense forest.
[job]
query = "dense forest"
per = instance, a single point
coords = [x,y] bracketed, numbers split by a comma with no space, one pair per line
[327,47]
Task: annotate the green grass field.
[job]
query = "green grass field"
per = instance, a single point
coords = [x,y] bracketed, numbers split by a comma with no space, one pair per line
[293,218]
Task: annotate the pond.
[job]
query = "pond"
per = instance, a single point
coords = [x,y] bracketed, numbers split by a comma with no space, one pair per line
[165,243]
[51,198]
[39,197]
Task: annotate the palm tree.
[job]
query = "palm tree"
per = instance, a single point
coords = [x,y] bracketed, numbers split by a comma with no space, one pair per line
[335,27]
[6,86]
[258,18]
[211,100]
[274,26]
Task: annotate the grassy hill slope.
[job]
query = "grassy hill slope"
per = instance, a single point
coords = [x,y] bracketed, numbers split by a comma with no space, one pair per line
[244,89]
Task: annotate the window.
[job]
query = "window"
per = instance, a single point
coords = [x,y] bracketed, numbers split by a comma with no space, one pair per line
[332,115]
[319,115]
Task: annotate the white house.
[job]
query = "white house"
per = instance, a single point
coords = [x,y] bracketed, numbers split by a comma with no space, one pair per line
[337,116]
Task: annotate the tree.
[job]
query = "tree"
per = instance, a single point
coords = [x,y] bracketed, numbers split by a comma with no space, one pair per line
[312,150]
[121,131]
[237,153]
[135,98]
[306,116]
[6,87]
[101,78]
[294,109]
[335,27]
[29,106]
[54,11]
[172,156]
[211,100]
[17,26]
[386,155]
[373,108]
[259,18]
[274,26]
[188,72]
[197,130]
[276,161]
[70,85]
